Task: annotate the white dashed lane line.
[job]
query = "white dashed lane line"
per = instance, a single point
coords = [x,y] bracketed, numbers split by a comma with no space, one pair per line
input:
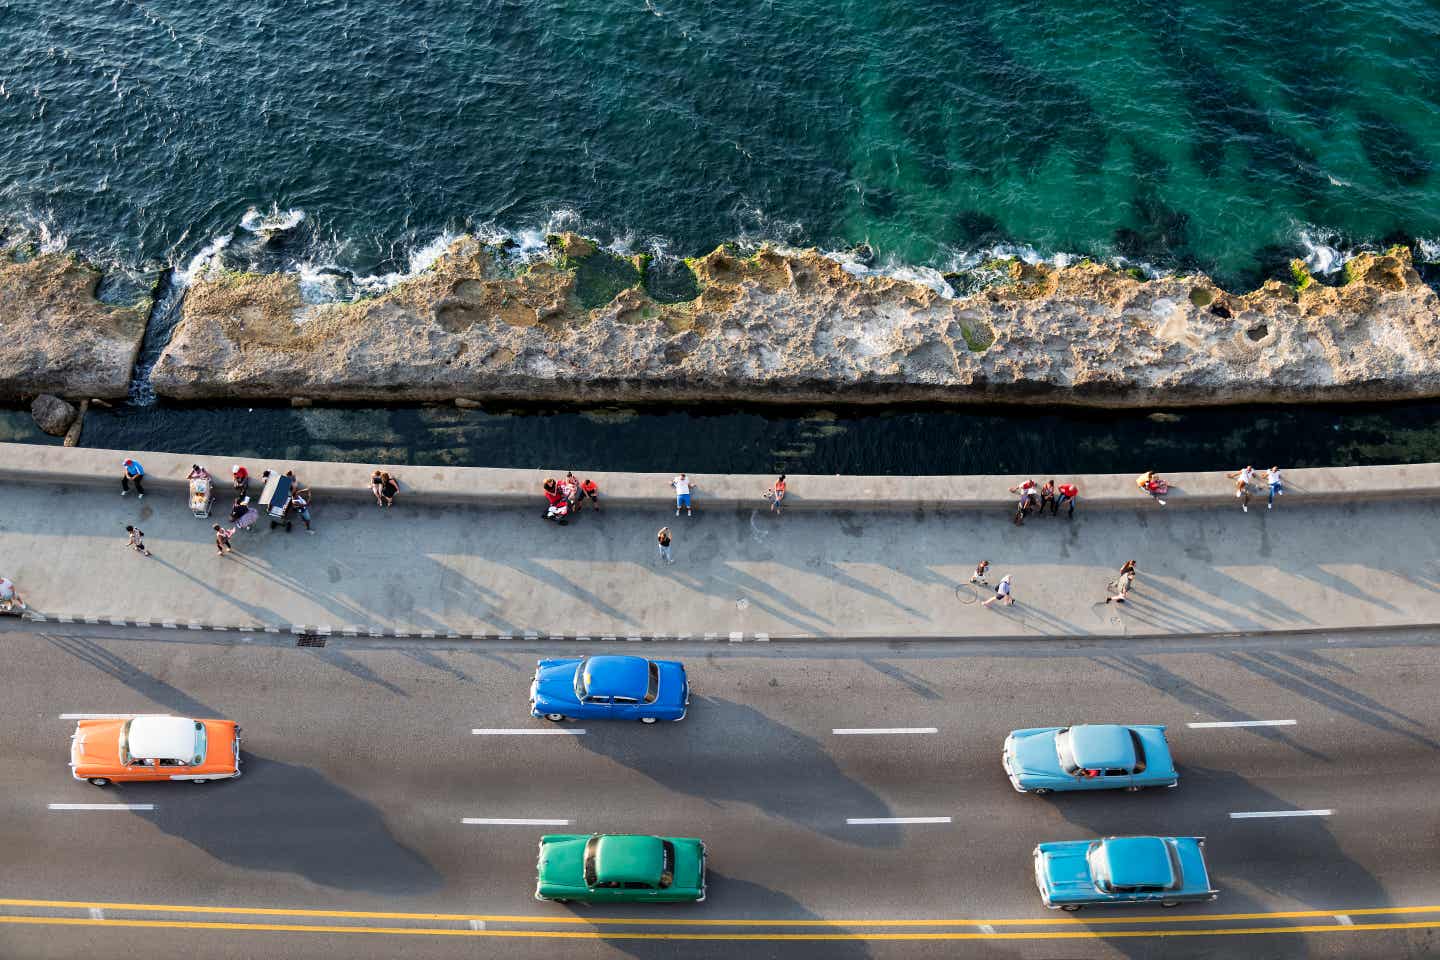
[1263,814]
[1212,724]
[512,822]
[530,732]
[874,821]
[862,731]
[102,806]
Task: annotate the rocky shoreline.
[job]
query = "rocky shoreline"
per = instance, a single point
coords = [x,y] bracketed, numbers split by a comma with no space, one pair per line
[770,326]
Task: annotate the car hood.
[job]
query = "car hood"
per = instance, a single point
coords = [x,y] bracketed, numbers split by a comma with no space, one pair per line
[689,863]
[1066,870]
[97,743]
[562,860]
[220,743]
[555,681]
[1035,754]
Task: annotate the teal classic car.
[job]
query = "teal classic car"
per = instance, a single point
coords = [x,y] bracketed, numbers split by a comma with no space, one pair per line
[1092,756]
[1164,870]
[620,868]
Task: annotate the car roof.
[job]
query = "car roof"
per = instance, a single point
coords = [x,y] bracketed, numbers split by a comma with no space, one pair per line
[629,859]
[162,738]
[617,676]
[1139,862]
[1102,745]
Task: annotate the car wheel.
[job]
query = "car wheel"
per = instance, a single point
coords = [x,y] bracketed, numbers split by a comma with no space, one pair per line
[1133,789]
[1042,791]
[100,781]
[199,781]
[555,717]
[1069,907]
[1169,903]
[647,719]
[559,899]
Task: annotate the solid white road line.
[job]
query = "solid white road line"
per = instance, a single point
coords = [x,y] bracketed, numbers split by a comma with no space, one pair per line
[1344,920]
[866,821]
[858,731]
[102,806]
[1258,814]
[531,732]
[1240,723]
[511,822]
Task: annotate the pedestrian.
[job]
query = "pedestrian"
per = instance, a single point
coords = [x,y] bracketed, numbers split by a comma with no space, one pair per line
[1277,486]
[1002,593]
[1123,583]
[296,487]
[241,478]
[683,485]
[663,540]
[377,480]
[570,489]
[1027,502]
[981,568]
[1047,495]
[389,486]
[1068,495]
[776,495]
[10,597]
[302,507]
[134,473]
[591,491]
[222,540]
[1242,493]
[1153,484]
[137,540]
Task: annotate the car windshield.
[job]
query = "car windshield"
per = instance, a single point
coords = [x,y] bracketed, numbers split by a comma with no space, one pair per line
[1065,754]
[667,867]
[1099,869]
[590,875]
[200,739]
[125,742]
[1139,752]
[580,679]
[652,691]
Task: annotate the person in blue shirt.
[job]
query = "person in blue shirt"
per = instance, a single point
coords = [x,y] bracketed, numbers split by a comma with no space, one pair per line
[134,473]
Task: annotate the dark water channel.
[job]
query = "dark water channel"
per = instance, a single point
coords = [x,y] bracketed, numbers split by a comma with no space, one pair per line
[766,440]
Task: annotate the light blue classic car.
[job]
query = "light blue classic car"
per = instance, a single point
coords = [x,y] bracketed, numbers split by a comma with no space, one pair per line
[1092,756]
[609,688]
[1164,870]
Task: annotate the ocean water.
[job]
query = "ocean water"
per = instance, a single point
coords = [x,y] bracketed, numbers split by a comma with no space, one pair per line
[154,134]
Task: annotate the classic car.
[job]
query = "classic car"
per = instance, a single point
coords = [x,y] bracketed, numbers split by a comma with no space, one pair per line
[1092,756]
[619,868]
[609,688]
[1164,870]
[124,749]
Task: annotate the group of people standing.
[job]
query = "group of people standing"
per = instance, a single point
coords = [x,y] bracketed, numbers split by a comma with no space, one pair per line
[1034,500]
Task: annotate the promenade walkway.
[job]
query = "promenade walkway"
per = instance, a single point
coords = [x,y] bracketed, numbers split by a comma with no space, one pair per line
[448,568]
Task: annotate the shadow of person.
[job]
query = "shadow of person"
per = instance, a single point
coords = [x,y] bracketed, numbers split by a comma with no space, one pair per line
[727,752]
[729,897]
[286,818]
[1258,865]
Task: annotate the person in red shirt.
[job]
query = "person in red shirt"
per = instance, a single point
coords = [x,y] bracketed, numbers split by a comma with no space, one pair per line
[1068,494]
[241,476]
[589,490]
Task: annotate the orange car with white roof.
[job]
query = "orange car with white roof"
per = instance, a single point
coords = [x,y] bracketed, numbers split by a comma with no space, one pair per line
[109,750]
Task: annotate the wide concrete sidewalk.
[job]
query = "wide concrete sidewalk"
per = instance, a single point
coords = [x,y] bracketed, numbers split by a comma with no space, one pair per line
[474,570]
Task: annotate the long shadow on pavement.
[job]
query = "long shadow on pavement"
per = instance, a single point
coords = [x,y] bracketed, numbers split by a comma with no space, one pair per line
[750,759]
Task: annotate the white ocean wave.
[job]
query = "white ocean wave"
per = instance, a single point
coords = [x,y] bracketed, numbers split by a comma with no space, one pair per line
[420,260]
[1429,250]
[276,221]
[205,263]
[1320,253]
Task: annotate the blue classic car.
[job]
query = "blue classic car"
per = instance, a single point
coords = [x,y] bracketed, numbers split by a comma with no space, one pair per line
[1097,756]
[609,688]
[1164,870]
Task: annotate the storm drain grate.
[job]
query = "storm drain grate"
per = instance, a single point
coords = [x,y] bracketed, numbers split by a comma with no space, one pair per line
[310,640]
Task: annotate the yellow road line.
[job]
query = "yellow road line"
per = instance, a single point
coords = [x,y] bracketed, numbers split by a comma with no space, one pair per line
[619,935]
[1050,920]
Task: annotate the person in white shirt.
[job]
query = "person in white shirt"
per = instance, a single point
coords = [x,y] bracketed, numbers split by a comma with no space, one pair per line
[682,485]
[1002,592]
[1277,485]
[1242,478]
[9,596]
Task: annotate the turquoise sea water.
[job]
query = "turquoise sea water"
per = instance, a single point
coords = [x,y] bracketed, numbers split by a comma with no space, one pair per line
[1216,134]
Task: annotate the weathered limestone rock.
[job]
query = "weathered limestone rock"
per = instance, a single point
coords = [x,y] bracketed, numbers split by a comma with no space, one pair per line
[796,327]
[52,414]
[55,337]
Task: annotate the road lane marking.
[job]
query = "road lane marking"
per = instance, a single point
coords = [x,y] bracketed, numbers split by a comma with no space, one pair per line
[102,806]
[870,821]
[1259,814]
[1212,724]
[1048,919]
[1344,920]
[986,928]
[530,732]
[862,731]
[96,913]
[730,937]
[512,822]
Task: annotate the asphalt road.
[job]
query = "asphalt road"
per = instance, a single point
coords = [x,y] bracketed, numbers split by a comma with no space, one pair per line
[360,768]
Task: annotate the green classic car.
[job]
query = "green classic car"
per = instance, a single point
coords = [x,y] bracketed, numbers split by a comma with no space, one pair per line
[620,868]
